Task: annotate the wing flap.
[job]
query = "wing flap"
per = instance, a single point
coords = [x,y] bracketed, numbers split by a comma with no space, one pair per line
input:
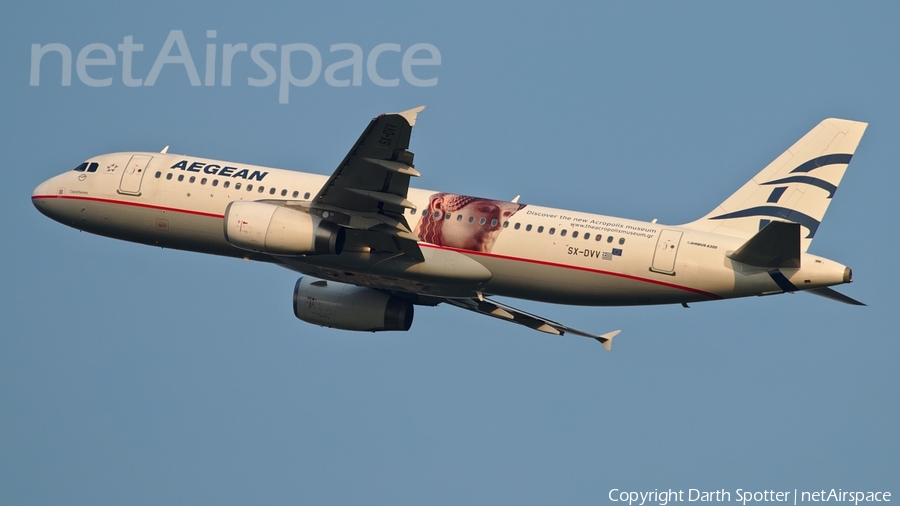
[398,167]
[387,198]
[394,232]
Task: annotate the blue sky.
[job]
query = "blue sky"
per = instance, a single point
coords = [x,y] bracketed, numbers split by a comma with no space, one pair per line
[133,375]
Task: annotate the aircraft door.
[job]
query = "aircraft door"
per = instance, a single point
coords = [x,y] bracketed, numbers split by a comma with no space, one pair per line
[666,250]
[134,174]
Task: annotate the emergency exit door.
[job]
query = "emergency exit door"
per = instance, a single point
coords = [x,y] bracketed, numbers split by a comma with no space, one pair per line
[666,251]
[134,174]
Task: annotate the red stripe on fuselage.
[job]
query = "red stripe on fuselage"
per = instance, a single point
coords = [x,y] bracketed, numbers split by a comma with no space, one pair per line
[575,267]
[127,203]
[421,244]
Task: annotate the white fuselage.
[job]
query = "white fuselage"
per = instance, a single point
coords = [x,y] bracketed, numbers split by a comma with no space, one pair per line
[178,201]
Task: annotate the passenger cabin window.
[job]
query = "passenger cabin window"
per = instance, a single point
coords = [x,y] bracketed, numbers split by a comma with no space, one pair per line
[203,181]
[249,187]
[283,193]
[505,223]
[575,234]
[295,194]
[261,189]
[621,241]
[93,167]
[215,182]
[458,217]
[447,216]
[517,225]
[181,177]
[81,168]
[158,174]
[192,179]
[237,186]
[437,214]
[494,223]
[609,239]
[272,191]
[540,229]
[169,176]
[471,219]
[563,232]
[598,238]
[306,196]
[551,231]
[587,236]
[528,228]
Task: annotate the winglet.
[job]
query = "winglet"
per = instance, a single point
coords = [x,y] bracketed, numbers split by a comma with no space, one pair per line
[606,339]
[410,114]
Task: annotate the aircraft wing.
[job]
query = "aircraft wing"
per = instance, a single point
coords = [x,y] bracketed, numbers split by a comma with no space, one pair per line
[367,192]
[502,311]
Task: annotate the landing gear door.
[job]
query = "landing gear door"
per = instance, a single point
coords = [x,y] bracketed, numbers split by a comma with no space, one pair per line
[666,250]
[134,174]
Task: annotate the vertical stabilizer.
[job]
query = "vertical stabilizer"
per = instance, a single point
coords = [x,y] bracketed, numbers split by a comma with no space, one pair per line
[797,187]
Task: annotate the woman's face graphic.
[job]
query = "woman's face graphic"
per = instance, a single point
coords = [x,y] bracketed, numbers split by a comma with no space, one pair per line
[480,234]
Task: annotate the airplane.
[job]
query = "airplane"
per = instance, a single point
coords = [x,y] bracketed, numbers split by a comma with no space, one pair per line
[369,248]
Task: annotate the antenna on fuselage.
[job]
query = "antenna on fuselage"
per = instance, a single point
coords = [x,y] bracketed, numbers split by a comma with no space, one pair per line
[516,200]
[165,150]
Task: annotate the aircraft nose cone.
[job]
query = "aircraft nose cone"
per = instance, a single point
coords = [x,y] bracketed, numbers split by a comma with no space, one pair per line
[42,195]
[39,191]
[46,189]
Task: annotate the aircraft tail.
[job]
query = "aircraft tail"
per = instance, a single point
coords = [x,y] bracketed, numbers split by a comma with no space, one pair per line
[796,187]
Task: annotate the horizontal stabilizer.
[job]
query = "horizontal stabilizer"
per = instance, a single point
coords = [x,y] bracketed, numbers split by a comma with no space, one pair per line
[828,293]
[777,245]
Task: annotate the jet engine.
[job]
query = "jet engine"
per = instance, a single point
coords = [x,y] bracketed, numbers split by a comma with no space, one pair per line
[349,307]
[277,230]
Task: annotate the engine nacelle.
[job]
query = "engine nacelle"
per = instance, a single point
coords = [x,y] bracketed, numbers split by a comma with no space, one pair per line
[349,307]
[266,228]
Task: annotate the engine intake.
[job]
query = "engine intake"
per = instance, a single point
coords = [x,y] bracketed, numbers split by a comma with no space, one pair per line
[277,230]
[349,307]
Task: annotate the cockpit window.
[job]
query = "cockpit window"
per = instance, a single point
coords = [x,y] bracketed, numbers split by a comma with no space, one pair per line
[81,167]
[93,167]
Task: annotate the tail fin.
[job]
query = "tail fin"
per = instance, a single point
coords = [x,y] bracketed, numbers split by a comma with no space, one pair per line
[796,187]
